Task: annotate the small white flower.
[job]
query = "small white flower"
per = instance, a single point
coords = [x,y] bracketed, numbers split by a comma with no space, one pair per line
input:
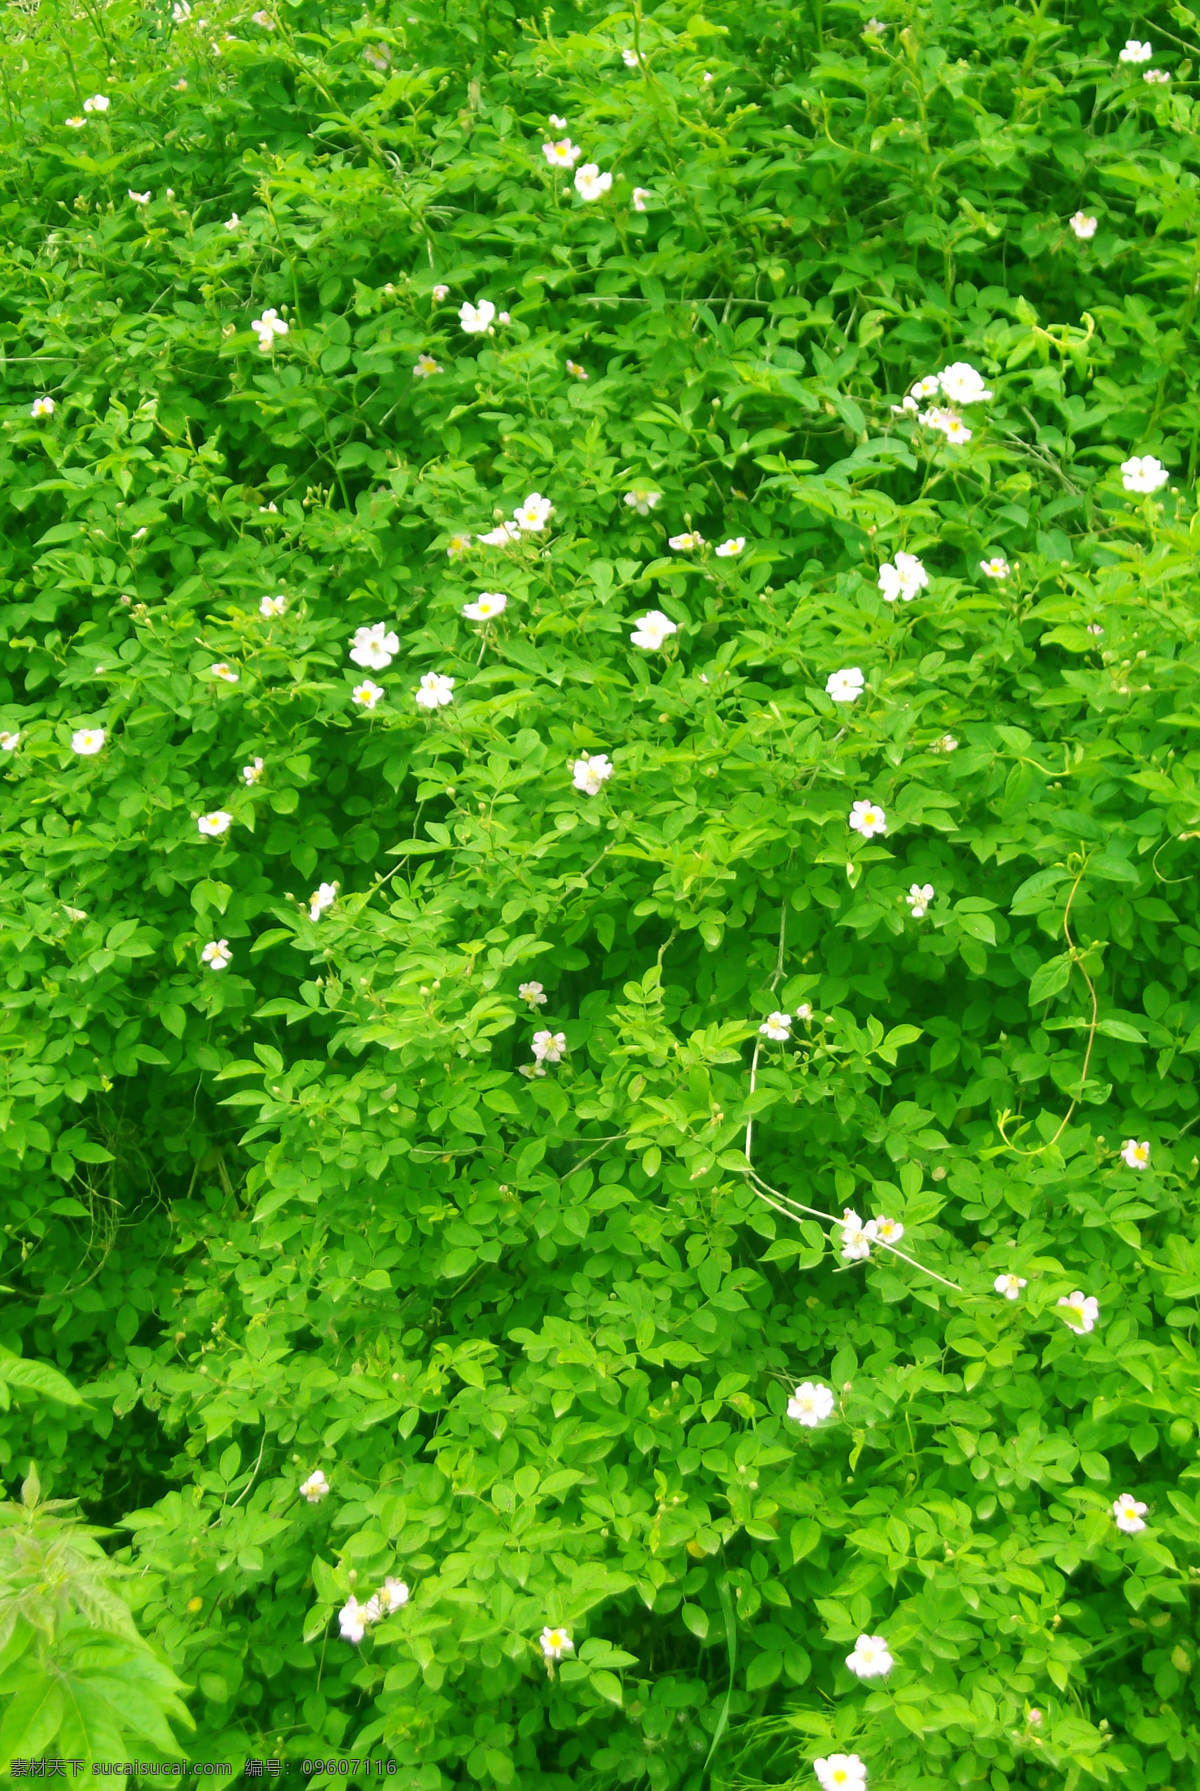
[139,198]
[476,320]
[652,630]
[857,1237]
[559,124]
[42,407]
[575,370]
[947,743]
[76,124]
[458,546]
[266,328]
[1135,51]
[374,647]
[138,535]
[181,87]
[252,772]
[486,606]
[871,1658]
[643,501]
[217,955]
[503,535]
[874,28]
[315,1487]
[591,773]
[841,1772]
[962,384]
[728,549]
[352,1620]
[226,673]
[590,183]
[323,897]
[9,742]
[232,221]
[393,1595]
[804,1011]
[640,196]
[949,423]
[809,1404]
[777,1026]
[1136,1155]
[926,387]
[97,103]
[531,1069]
[425,366]
[918,898]
[555,1643]
[1143,473]
[1095,628]
[268,509]
[1010,1285]
[434,691]
[272,606]
[868,819]
[1128,1513]
[534,513]
[87,741]
[264,19]
[630,58]
[533,993]
[213,825]
[548,1047]
[1083,226]
[1156,76]
[904,579]
[888,1231]
[368,694]
[1082,1311]
[504,318]
[1035,1717]
[563,154]
[440,292]
[845,686]
[685,543]
[180,11]
[995,568]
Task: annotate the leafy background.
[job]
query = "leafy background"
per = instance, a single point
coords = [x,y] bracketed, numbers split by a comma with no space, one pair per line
[305,1213]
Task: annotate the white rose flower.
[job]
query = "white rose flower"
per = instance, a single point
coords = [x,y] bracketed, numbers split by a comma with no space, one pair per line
[42,407]
[224,672]
[810,1404]
[1143,473]
[630,58]
[1082,1311]
[995,568]
[1010,1286]
[533,993]
[842,1772]
[928,386]
[9,742]
[368,695]
[947,743]
[373,647]
[640,196]
[434,691]
[534,513]
[263,19]
[871,1658]
[777,1026]
[315,1487]
[557,123]
[213,825]
[548,1047]
[591,773]
[217,955]
[729,549]
[322,898]
[1128,1513]
[1135,51]
[476,320]
[804,1011]
[563,154]
[904,579]
[1136,1155]
[251,773]
[486,607]
[181,10]
[458,546]
[868,819]
[87,742]
[652,630]
[685,543]
[97,103]
[425,366]
[503,535]
[272,606]
[139,198]
[352,1620]
[266,328]
[888,1231]
[845,686]
[555,1643]
[590,183]
[1156,77]
[918,898]
[643,501]
[857,1237]
[76,124]
[961,384]
[439,293]
[1083,226]
[393,1595]
[232,222]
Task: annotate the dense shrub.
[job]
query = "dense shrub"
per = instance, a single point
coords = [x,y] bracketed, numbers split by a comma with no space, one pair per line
[350,1284]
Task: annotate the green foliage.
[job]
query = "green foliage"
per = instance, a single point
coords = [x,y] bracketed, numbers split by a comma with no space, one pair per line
[318,1210]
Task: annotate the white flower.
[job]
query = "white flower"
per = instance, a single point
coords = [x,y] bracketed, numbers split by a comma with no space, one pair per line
[1156,76]
[1128,1513]
[139,198]
[777,1026]
[181,87]
[368,694]
[630,58]
[888,1231]
[926,387]
[476,320]
[871,1658]
[857,1237]
[9,742]
[652,630]
[563,154]
[1083,226]
[42,407]
[804,1011]
[487,605]
[575,370]
[434,691]
[533,993]
[76,124]
[181,11]
[845,686]
[643,501]
[947,743]
[950,424]
[590,183]
[841,1772]
[232,221]
[874,28]
[809,1404]
[728,549]
[1010,1285]
[591,773]
[251,773]
[352,1620]
[425,366]
[1095,628]
[226,674]
[534,513]
[548,1047]
[532,1069]
[266,328]
[217,955]
[555,1643]
[1082,1312]
[458,545]
[685,543]
[1143,473]
[962,384]
[138,535]
[995,568]
[559,124]
[1136,1155]
[918,898]
[213,825]
[440,292]
[904,579]
[97,103]
[1135,52]
[640,196]
[322,898]
[503,535]
[392,1596]
[868,819]
[272,606]
[87,741]
[315,1487]
[373,647]
[1035,1717]
[264,19]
